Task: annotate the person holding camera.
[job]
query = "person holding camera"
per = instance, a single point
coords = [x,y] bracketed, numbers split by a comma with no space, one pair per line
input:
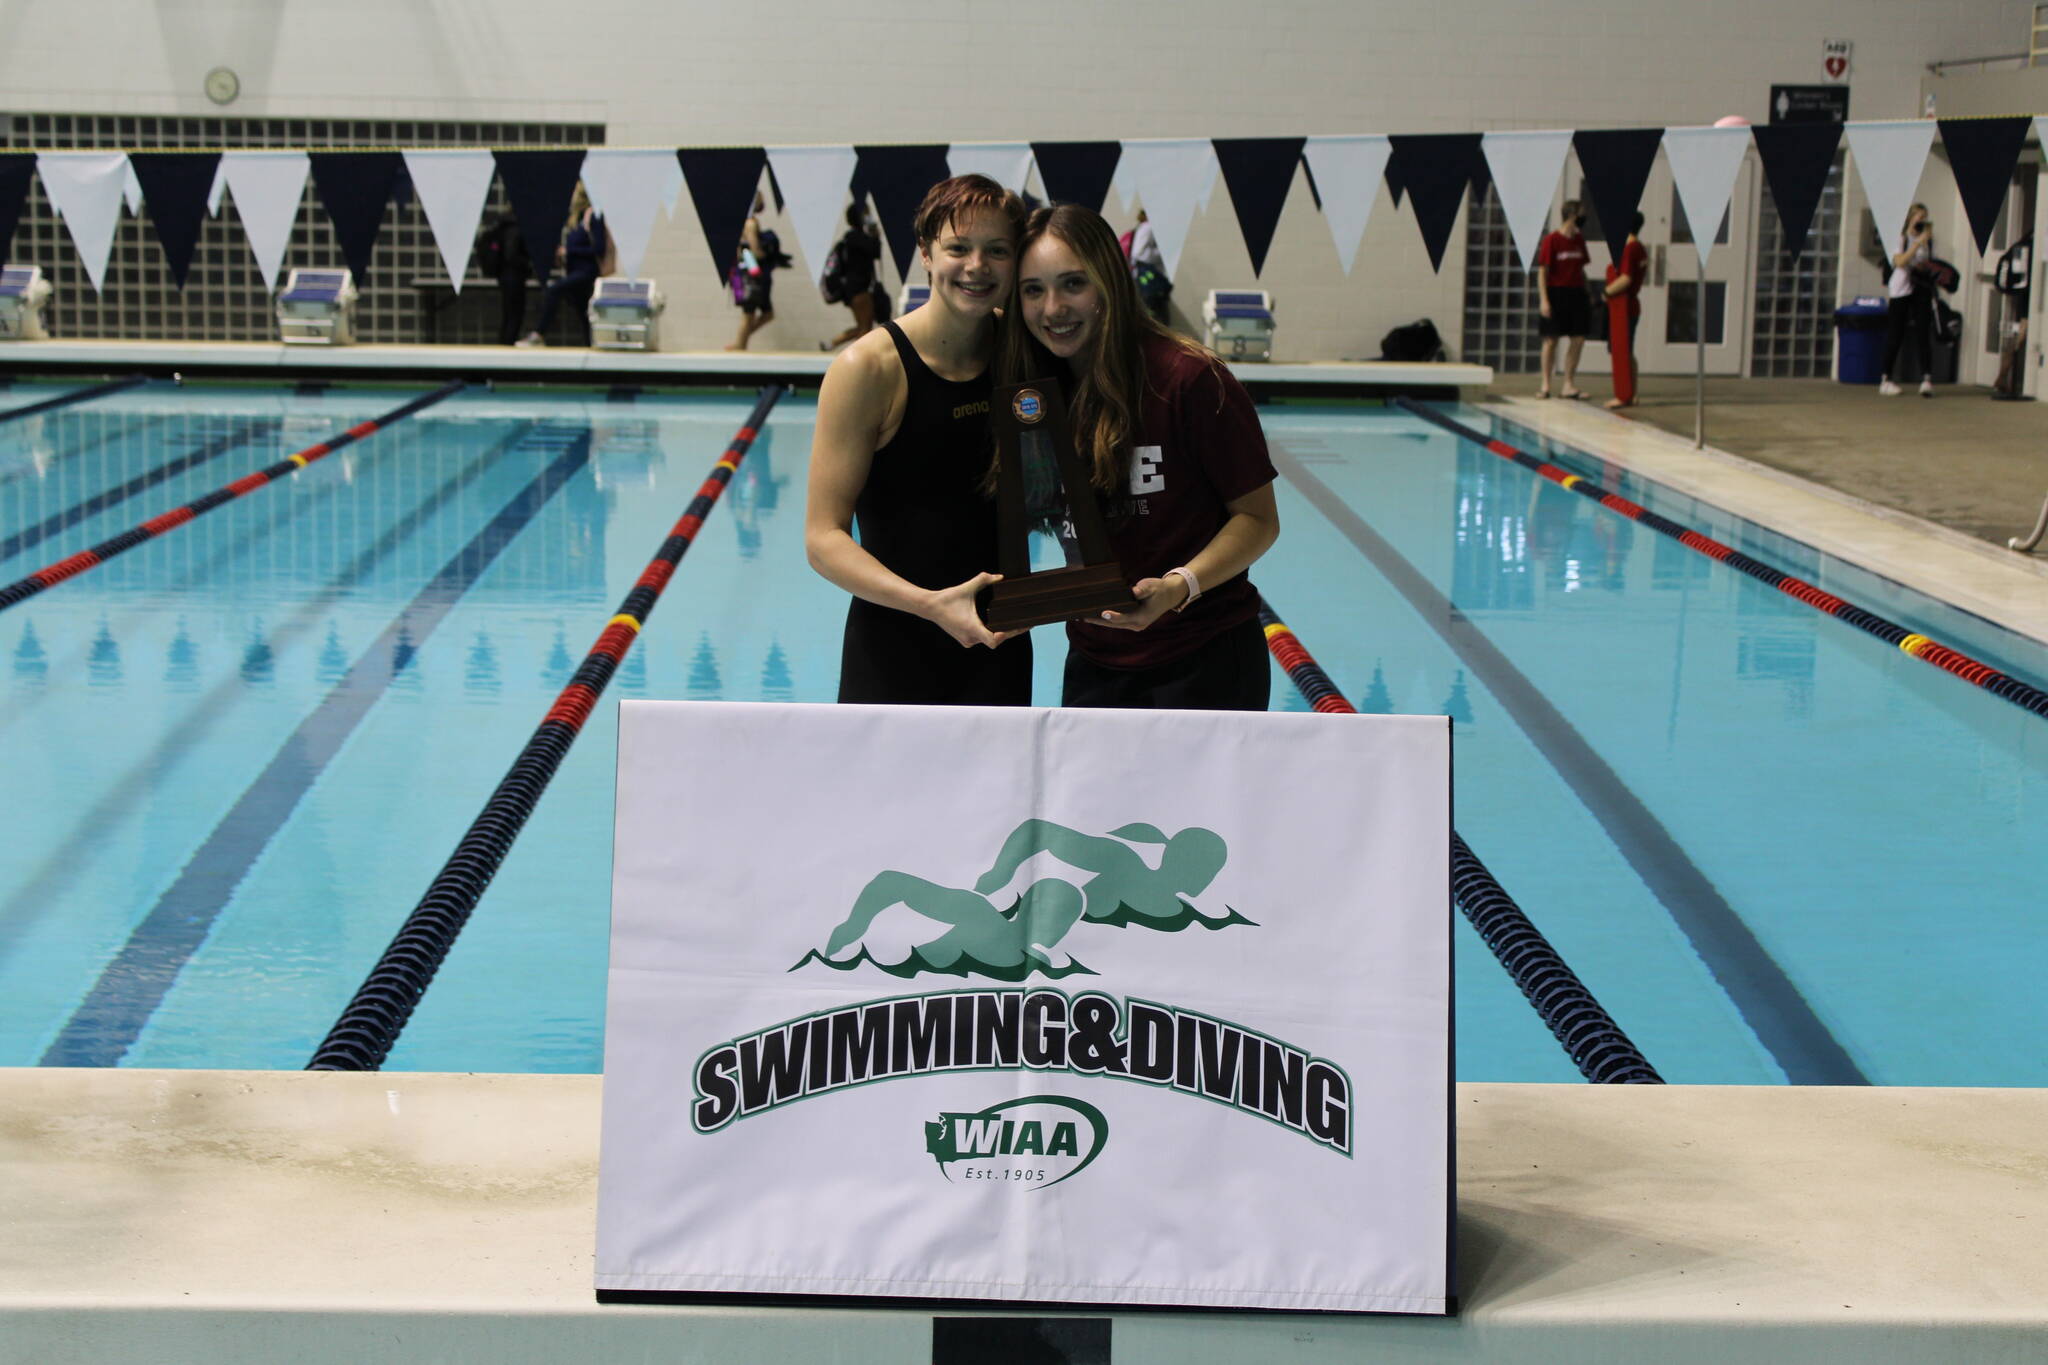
[1561,297]
[1911,288]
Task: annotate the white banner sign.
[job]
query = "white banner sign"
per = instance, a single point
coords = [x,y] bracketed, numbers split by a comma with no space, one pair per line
[1092,1007]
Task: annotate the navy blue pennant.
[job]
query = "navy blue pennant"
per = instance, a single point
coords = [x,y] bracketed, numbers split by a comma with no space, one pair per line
[1077,172]
[1435,168]
[723,182]
[1259,172]
[16,169]
[1797,158]
[899,178]
[175,188]
[354,189]
[1982,153]
[540,186]
[1617,164]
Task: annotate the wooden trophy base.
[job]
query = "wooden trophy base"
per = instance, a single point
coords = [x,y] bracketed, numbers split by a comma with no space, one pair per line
[1056,595]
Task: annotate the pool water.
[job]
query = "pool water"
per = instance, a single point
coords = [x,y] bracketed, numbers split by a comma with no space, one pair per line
[1774,847]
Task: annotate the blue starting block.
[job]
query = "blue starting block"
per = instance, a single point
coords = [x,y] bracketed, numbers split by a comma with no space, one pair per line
[1239,323]
[625,315]
[912,297]
[317,308]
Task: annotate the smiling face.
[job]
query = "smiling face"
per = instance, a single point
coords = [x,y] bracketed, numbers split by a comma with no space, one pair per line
[972,261]
[1058,299]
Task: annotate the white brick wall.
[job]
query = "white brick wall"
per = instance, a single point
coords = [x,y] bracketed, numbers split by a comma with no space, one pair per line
[829,71]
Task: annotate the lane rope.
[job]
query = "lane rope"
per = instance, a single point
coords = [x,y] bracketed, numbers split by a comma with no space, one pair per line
[65,400]
[363,1035]
[2021,694]
[52,574]
[1590,1037]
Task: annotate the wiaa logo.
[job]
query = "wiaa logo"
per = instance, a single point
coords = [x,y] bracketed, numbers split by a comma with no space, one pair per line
[1035,1140]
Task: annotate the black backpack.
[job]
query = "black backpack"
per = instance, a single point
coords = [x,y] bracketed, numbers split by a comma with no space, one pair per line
[833,282]
[773,257]
[1417,340]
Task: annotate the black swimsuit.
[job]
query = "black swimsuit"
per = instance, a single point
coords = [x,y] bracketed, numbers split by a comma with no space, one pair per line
[924,516]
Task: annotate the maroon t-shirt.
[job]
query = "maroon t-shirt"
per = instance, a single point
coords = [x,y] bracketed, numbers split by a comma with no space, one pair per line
[1563,258]
[1199,445]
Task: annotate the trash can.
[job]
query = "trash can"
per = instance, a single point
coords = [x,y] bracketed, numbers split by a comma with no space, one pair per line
[1859,339]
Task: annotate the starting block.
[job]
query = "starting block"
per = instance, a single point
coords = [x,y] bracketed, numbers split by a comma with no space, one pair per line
[317,308]
[23,292]
[625,315]
[1239,323]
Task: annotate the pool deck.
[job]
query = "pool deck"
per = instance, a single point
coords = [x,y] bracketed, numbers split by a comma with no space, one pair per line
[198,1216]
[1923,492]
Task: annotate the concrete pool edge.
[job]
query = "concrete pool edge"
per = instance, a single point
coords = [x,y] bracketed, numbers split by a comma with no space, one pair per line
[2001,586]
[196,1215]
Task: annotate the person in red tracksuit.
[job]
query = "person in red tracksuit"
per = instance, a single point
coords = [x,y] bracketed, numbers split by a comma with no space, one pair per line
[1561,298]
[1624,283]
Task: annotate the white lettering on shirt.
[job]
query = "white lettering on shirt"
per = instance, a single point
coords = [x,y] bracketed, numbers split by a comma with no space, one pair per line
[1146,476]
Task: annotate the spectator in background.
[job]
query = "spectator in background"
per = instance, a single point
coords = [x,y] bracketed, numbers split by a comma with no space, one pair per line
[501,255]
[753,275]
[1561,297]
[1625,282]
[1912,303]
[1148,268]
[584,255]
[850,274]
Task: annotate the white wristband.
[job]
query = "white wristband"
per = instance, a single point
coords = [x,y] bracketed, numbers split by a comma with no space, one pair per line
[1187,576]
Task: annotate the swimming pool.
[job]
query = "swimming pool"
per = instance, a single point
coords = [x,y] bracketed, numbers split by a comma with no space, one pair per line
[1773,846]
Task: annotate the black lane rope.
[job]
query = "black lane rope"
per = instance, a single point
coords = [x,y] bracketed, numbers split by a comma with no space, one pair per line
[362,1037]
[1590,1037]
[52,574]
[1970,670]
[65,400]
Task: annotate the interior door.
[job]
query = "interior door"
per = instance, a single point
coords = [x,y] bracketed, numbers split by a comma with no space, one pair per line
[1672,300]
[1987,314]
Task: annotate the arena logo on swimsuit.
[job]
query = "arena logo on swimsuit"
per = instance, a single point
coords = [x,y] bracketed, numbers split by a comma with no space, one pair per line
[978,408]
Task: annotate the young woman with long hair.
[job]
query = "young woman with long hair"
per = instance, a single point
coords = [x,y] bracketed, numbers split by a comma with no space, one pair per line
[1178,459]
[901,447]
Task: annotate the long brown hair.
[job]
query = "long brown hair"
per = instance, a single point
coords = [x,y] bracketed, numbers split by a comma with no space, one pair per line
[1106,397]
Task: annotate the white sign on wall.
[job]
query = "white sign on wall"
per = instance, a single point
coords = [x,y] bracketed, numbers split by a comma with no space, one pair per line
[1097,1007]
[1834,58]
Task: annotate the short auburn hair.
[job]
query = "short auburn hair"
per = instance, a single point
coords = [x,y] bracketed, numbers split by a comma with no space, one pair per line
[954,199]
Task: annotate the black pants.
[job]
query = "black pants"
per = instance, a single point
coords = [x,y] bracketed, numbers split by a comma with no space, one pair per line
[1911,316]
[511,308]
[577,289]
[1230,673]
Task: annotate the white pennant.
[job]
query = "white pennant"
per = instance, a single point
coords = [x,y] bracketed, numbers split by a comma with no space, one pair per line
[1168,175]
[1347,172]
[814,181]
[268,188]
[1006,163]
[1889,159]
[629,187]
[86,188]
[1120,181]
[1703,166]
[1525,169]
[452,187]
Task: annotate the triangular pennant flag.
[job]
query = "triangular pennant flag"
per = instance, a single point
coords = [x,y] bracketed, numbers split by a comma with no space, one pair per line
[1526,168]
[1126,188]
[1348,171]
[723,182]
[540,187]
[1396,190]
[1890,157]
[131,193]
[1617,164]
[774,187]
[86,187]
[1166,178]
[1982,153]
[268,187]
[815,179]
[175,185]
[1006,163]
[629,187]
[453,187]
[355,188]
[1077,172]
[219,190]
[16,168]
[1797,158]
[1703,165]
[1436,168]
[899,178]
[1259,171]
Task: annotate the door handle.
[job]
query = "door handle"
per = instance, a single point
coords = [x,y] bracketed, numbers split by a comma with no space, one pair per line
[1657,267]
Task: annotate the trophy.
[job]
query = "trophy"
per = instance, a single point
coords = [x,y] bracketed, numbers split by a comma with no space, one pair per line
[1042,484]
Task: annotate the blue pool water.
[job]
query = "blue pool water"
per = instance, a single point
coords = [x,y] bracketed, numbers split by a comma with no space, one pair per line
[1773,846]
